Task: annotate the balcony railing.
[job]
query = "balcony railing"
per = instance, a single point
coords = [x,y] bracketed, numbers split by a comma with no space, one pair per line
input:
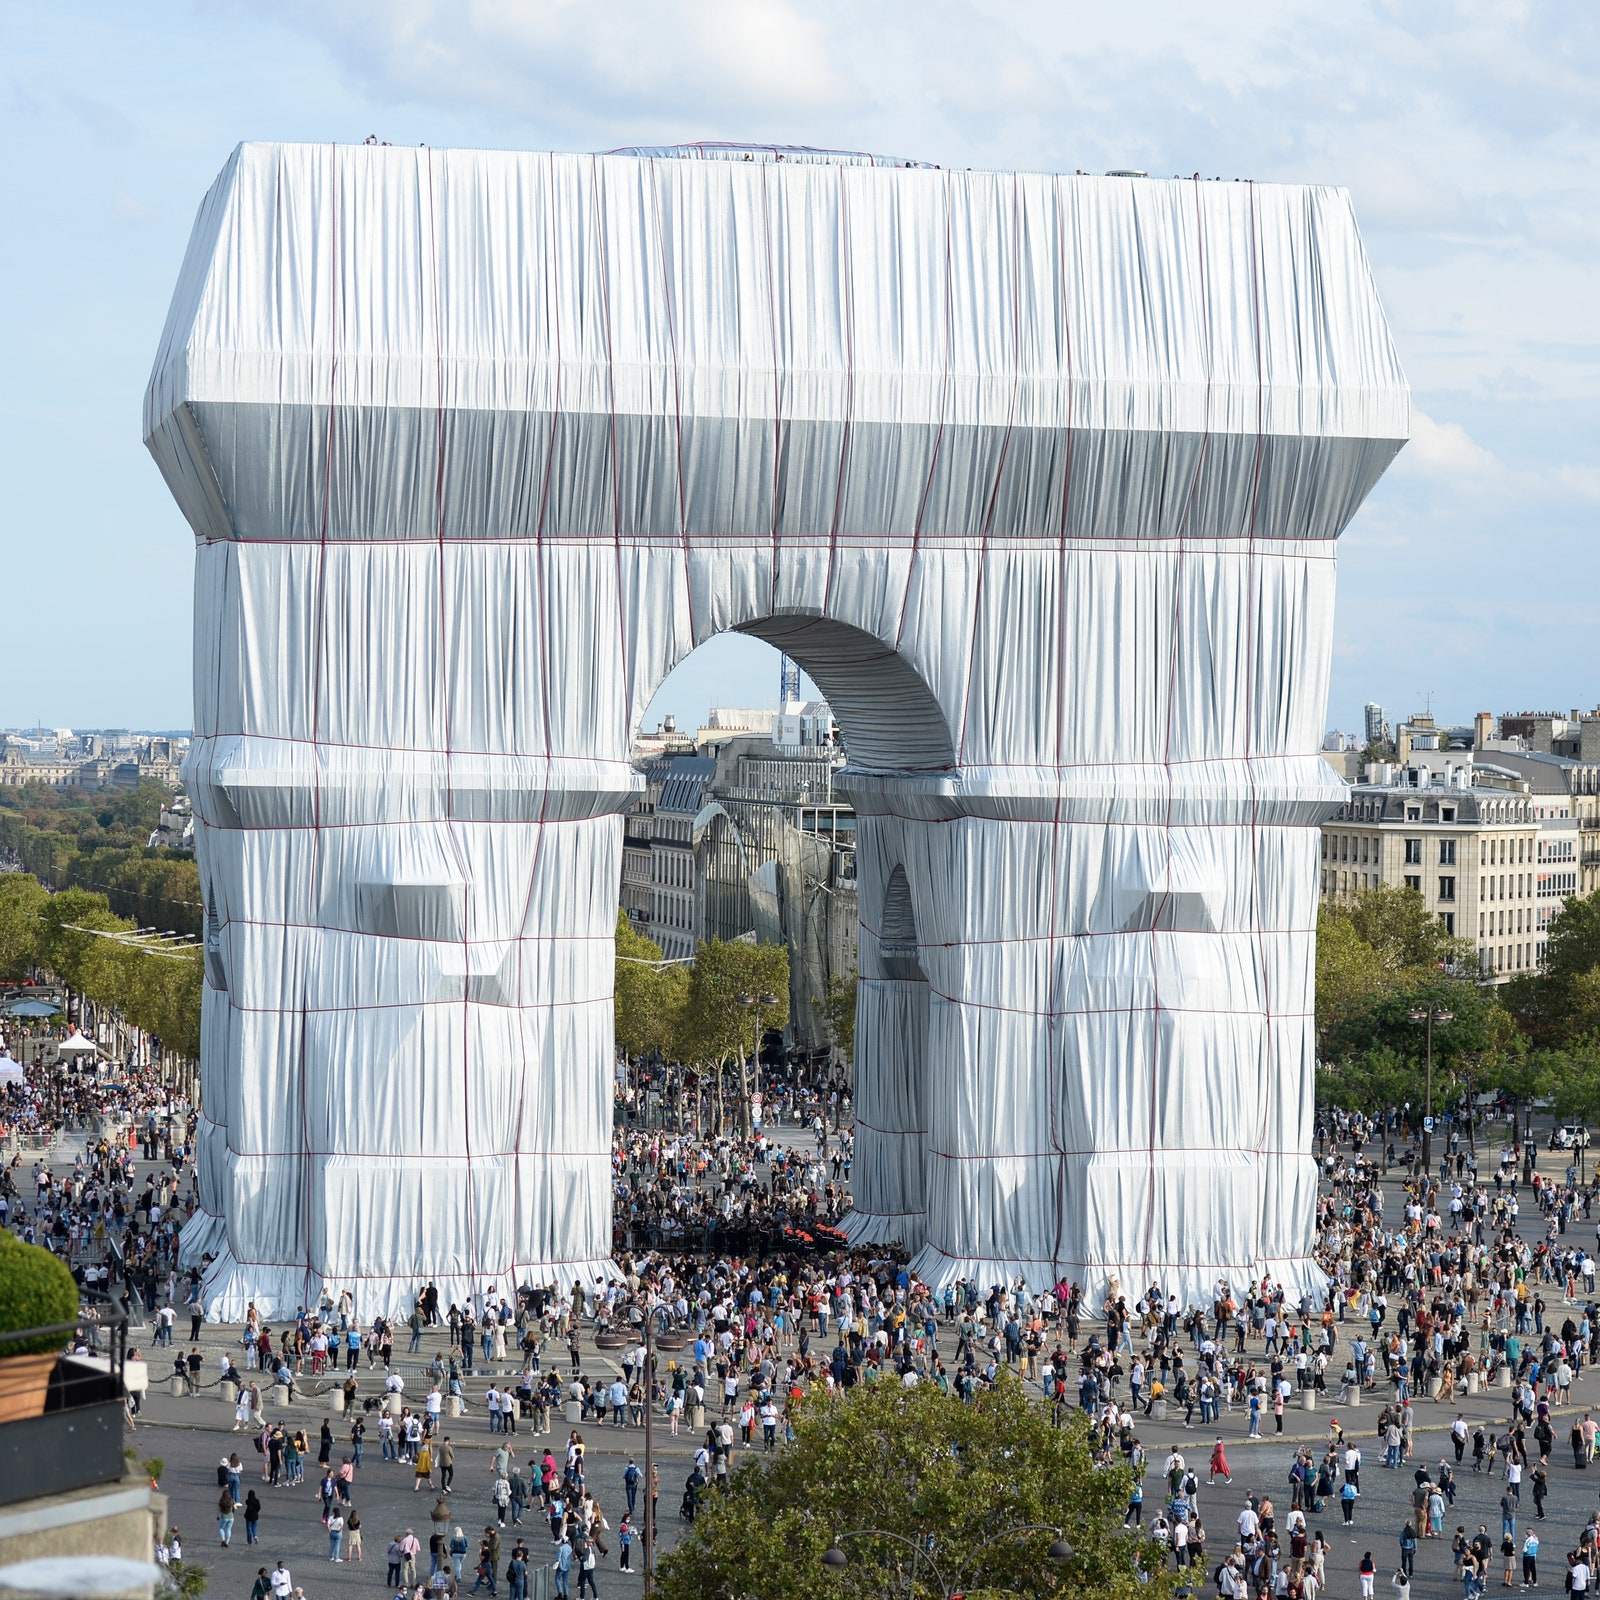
[77,1440]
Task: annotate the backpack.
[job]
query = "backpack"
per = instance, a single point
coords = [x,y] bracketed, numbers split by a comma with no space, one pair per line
[222,1473]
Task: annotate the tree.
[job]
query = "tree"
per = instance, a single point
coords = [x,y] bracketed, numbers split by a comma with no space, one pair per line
[1561,1003]
[156,990]
[1351,975]
[953,1480]
[1375,1081]
[1397,924]
[837,1003]
[1573,1078]
[736,992]
[21,900]
[637,992]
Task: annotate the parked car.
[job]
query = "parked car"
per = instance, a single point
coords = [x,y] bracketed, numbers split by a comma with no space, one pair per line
[1570,1136]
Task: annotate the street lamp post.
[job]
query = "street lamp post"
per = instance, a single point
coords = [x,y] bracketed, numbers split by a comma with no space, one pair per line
[649,1540]
[1434,1013]
[755,1002]
[836,1560]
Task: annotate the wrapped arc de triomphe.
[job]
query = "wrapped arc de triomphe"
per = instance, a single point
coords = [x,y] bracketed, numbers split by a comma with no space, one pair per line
[1040,479]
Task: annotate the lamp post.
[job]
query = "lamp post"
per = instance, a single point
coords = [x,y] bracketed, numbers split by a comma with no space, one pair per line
[755,1002]
[836,1560]
[1432,1014]
[672,1341]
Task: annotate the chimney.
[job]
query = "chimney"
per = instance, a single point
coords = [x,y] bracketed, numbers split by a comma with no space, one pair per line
[1482,729]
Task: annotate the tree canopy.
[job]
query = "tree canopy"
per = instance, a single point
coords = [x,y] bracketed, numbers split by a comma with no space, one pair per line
[954,1480]
[157,990]
[1560,1004]
[71,839]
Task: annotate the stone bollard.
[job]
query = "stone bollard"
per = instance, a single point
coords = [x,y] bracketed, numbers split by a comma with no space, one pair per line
[1355,1395]
[178,1386]
[229,1392]
[336,1400]
[697,1418]
[574,1412]
[1474,1382]
[1435,1384]
[1308,1399]
[1158,1410]
[453,1402]
[280,1395]
[1502,1376]
[395,1405]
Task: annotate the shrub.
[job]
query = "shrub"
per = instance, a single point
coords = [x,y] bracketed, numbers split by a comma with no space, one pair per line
[36,1291]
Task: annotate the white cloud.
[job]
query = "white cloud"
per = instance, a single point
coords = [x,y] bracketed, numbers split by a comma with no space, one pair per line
[1446,450]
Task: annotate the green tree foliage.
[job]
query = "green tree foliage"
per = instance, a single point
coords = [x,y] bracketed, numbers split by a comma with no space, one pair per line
[1561,1003]
[69,839]
[952,1479]
[158,991]
[1351,975]
[648,998]
[1407,937]
[736,991]
[1381,956]
[837,1004]
[21,901]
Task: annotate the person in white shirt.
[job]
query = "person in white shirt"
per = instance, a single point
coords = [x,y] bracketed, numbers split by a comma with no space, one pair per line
[281,1582]
[1248,1523]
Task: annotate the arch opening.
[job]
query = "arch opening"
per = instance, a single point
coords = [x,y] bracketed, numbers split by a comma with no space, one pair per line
[888,716]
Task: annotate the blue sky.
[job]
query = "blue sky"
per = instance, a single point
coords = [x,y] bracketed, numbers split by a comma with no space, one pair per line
[1466,133]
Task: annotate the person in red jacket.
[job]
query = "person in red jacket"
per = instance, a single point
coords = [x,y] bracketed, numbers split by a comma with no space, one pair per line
[1219,1463]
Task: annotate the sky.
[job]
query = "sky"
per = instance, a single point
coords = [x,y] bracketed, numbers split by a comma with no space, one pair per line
[1466,134]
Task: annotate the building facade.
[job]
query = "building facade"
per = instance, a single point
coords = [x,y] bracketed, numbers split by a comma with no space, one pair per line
[1466,839]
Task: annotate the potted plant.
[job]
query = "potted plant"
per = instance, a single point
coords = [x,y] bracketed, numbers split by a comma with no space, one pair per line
[36,1291]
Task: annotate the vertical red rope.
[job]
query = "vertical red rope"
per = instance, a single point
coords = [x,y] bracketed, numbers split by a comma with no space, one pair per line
[320,650]
[1249,721]
[945,378]
[1166,755]
[777,378]
[994,489]
[1055,1076]
[542,643]
[677,411]
[474,1265]
[847,307]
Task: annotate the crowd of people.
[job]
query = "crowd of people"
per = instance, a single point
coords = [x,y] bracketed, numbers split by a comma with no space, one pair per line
[675,1192]
[1472,1274]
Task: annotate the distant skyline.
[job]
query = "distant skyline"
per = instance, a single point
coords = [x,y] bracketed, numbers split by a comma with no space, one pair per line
[1464,131]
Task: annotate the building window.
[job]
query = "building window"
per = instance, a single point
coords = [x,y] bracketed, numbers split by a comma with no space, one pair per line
[1448,918]
[1413,813]
[1447,813]
[1414,881]
[1413,852]
[1447,852]
[1447,888]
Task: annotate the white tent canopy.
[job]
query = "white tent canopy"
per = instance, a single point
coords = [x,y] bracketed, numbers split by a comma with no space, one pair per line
[75,1044]
[10,1070]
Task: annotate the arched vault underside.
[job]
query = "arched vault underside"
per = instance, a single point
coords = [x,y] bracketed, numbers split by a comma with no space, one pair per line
[1038,476]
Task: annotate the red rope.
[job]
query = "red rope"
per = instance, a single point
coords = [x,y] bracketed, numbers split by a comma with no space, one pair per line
[1172,690]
